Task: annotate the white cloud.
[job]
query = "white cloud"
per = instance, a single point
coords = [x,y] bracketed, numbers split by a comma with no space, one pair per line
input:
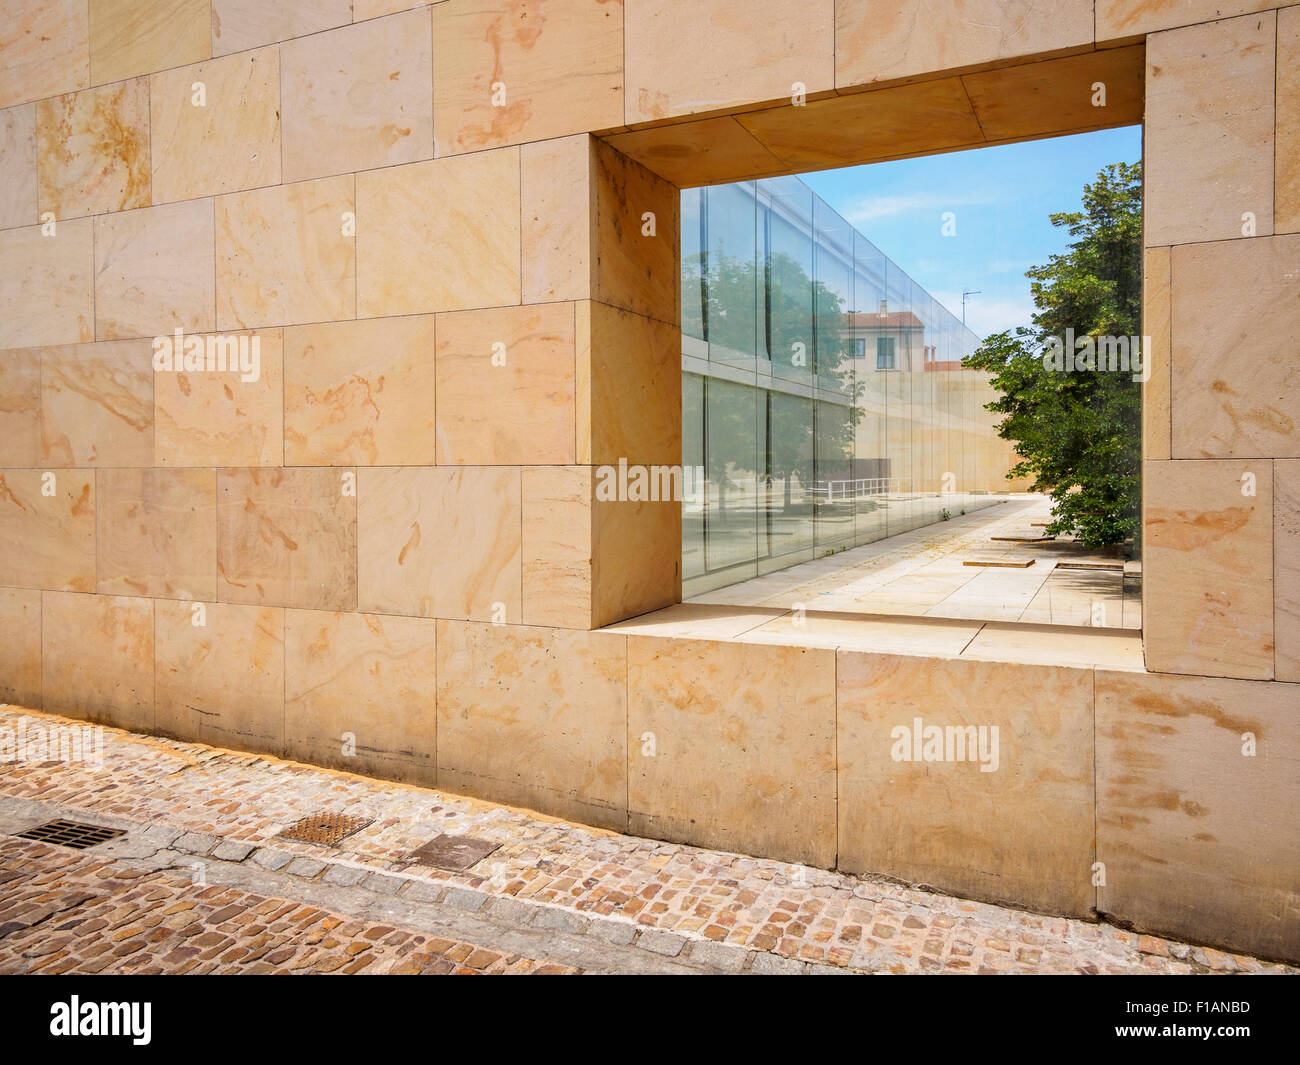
[867,209]
[985,316]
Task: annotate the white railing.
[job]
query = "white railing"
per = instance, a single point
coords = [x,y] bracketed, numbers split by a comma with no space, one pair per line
[861,488]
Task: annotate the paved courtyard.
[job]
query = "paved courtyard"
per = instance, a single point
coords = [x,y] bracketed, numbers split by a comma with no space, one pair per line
[201,881]
[932,572]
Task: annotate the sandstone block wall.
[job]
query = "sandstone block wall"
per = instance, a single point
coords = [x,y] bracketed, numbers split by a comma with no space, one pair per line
[386,195]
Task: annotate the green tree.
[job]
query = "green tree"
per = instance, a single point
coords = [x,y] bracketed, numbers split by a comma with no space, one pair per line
[1078,434]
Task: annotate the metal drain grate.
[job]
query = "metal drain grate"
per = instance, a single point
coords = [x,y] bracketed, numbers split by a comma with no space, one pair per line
[453,854]
[325,829]
[72,834]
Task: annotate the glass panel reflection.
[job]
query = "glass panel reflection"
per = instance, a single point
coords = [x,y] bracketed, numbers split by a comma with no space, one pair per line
[824,398]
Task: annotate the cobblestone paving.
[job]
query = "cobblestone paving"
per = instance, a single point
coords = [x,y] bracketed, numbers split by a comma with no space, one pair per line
[87,915]
[554,896]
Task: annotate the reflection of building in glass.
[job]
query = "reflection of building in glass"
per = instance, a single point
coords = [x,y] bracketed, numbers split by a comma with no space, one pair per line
[822,388]
[891,340]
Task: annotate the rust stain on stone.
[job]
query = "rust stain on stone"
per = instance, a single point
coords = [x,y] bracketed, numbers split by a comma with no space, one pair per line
[1190,530]
[8,493]
[120,142]
[652,103]
[412,541]
[522,25]
[1154,704]
[82,504]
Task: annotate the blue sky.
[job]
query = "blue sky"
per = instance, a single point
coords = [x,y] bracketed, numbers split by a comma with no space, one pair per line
[1001,198]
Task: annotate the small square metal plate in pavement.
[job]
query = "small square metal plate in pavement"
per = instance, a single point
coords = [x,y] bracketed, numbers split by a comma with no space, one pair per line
[453,854]
[72,834]
[327,830]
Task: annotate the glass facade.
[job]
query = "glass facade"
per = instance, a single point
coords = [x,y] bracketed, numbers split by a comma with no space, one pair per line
[823,396]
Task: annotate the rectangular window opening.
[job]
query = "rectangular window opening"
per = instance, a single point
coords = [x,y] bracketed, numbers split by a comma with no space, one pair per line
[844,440]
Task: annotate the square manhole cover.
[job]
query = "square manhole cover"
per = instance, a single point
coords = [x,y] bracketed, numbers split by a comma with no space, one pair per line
[454,854]
[72,834]
[325,829]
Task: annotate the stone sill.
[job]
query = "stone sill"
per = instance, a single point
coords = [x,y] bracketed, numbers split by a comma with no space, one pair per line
[989,641]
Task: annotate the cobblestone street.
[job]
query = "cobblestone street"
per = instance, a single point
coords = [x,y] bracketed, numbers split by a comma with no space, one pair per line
[201,881]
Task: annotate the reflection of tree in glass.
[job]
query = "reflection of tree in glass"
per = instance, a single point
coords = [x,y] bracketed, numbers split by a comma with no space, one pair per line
[775,309]
[790,451]
[729,441]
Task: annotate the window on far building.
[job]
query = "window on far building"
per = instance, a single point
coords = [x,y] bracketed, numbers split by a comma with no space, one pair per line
[859,347]
[884,353]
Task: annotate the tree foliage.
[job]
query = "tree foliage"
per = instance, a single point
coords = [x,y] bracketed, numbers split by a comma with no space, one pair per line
[1078,434]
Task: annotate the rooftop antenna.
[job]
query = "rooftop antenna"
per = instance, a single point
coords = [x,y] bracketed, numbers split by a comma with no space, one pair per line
[967,292]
